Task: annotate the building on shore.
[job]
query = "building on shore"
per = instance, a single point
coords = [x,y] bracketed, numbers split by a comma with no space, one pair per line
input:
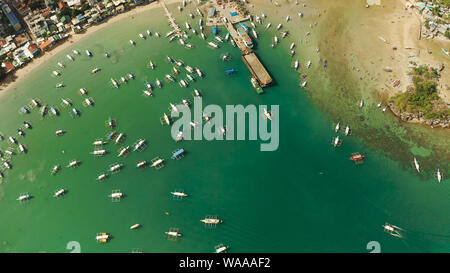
[11,17]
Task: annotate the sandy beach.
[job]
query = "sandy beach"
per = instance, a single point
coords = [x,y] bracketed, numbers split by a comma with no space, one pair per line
[13,80]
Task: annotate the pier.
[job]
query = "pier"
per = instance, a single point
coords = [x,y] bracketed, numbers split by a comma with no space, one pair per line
[250,59]
[172,22]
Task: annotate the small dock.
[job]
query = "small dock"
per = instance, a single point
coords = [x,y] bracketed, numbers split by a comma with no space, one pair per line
[172,22]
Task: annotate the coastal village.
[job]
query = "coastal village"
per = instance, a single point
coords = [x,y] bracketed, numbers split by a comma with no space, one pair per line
[30,28]
[434,16]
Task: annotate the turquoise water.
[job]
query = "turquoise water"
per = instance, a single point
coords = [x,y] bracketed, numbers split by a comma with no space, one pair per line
[306,196]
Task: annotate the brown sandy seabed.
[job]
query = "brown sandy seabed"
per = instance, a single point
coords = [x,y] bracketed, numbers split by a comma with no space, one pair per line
[347,35]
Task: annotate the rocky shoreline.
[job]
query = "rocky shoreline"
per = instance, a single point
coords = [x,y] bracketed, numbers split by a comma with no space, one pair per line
[419,118]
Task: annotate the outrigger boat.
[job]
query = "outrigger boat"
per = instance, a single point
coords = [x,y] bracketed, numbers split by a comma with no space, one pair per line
[44,110]
[189,69]
[348,131]
[114,83]
[124,152]
[119,138]
[165,120]
[142,36]
[141,164]
[338,127]
[292,46]
[110,122]
[178,154]
[27,125]
[132,42]
[147,93]
[157,34]
[70,57]
[24,197]
[7,165]
[135,226]
[361,104]
[199,73]
[123,79]
[213,45]
[115,167]
[102,237]
[60,85]
[56,73]
[337,142]
[296,65]
[221,249]
[102,176]
[219,39]
[139,145]
[59,193]
[279,26]
[83,91]
[197,93]
[98,152]
[173,107]
[149,33]
[148,85]
[268,25]
[183,83]
[111,135]
[20,132]
[66,102]
[22,149]
[199,12]
[61,65]
[12,140]
[35,103]
[308,65]
[99,143]
[158,163]
[416,164]
[173,233]
[179,136]
[151,65]
[186,102]
[88,53]
[439,175]
[284,34]
[357,158]
[288,18]
[73,163]
[75,112]
[211,221]
[107,55]
[392,230]
[158,83]
[170,78]
[95,70]
[187,25]
[54,111]
[267,114]
[55,169]
[59,132]
[76,52]
[303,84]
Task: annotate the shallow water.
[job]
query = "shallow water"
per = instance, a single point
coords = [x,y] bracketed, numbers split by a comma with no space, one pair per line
[306,196]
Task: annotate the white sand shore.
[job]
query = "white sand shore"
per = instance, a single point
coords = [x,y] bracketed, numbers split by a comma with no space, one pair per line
[22,73]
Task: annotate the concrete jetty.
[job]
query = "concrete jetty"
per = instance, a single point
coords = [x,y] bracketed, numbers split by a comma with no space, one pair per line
[173,24]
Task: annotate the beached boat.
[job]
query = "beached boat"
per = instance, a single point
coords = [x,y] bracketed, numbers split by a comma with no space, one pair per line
[416,164]
[445,51]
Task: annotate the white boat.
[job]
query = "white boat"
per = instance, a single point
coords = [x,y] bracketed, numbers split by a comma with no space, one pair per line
[24,197]
[152,66]
[22,148]
[179,194]
[183,83]
[73,163]
[218,39]
[416,164]
[158,83]
[392,230]
[149,33]
[211,221]
[379,105]
[288,18]
[59,132]
[338,127]
[7,165]
[255,34]
[197,93]
[361,104]
[182,42]
[102,237]
[12,140]
[61,65]
[268,25]
[292,46]
[200,22]
[106,54]
[123,79]
[199,73]
[189,69]
[102,176]
[188,26]
[227,36]
[173,107]
[221,249]
[275,39]
[131,76]
[76,52]
[56,73]
[98,143]
[213,44]
[139,144]
[83,91]
[173,233]
[279,26]
[132,42]
[114,83]
[123,151]
[55,169]
[35,103]
[267,114]
[99,152]
[157,34]
[157,162]
[199,12]
[179,136]
[189,76]
[117,195]
[141,164]
[27,125]
[115,167]
[296,65]
[88,53]
[170,78]
[135,226]
[336,141]
[191,15]
[347,130]
[95,70]
[69,57]
[203,36]
[119,138]
[66,102]
[142,36]
[59,193]
[308,64]
[439,175]
[263,15]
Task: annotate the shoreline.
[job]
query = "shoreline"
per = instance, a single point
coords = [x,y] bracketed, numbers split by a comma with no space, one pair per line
[11,81]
